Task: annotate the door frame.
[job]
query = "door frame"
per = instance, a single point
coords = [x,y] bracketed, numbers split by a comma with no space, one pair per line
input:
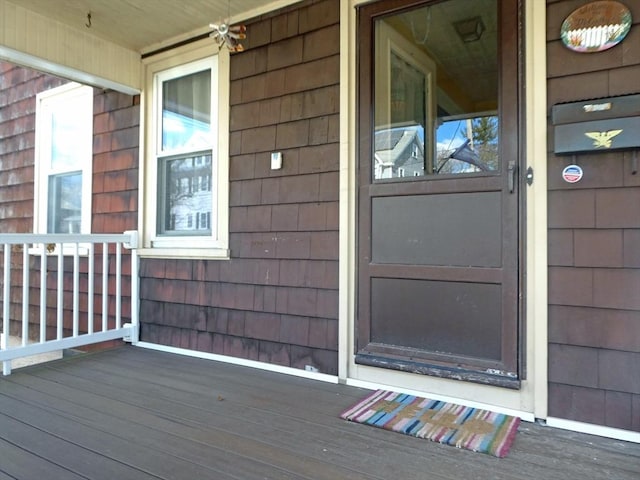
[498,278]
[530,401]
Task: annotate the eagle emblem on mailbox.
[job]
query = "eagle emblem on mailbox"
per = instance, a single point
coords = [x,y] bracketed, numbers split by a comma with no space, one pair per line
[603,139]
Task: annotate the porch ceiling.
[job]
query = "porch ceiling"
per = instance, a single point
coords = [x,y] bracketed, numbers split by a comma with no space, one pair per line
[142,25]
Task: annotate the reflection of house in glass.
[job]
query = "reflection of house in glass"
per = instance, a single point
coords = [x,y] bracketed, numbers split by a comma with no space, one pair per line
[188,178]
[399,152]
[189,187]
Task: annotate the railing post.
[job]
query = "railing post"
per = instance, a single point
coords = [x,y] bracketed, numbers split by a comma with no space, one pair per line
[60,292]
[25,294]
[76,290]
[90,288]
[6,300]
[43,294]
[135,297]
[135,286]
[118,285]
[105,286]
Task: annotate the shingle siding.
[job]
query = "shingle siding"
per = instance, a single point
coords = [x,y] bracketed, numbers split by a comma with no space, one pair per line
[594,238]
[276,299]
[18,88]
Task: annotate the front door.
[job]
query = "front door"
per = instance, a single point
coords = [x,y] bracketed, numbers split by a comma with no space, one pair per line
[438,189]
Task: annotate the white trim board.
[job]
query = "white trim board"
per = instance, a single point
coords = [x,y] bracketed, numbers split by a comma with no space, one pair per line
[64,71]
[323,377]
[593,429]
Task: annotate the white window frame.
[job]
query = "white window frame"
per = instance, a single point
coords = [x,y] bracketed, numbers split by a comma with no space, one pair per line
[178,63]
[46,104]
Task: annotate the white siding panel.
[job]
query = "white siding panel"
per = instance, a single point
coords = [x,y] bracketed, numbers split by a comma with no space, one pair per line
[39,42]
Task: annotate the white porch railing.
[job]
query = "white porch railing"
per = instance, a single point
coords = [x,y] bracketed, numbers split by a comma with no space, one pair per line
[43,256]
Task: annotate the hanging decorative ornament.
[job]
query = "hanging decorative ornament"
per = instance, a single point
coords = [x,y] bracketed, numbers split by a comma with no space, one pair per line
[229,35]
[225,34]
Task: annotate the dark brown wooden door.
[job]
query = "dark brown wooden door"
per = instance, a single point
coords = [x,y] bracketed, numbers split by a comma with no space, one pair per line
[438,190]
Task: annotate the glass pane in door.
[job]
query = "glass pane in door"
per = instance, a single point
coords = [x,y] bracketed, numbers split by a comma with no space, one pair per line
[436,91]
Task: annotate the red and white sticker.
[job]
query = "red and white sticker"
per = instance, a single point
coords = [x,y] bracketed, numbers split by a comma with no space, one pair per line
[572,173]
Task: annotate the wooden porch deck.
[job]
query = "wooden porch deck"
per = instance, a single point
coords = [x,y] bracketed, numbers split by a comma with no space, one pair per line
[132,413]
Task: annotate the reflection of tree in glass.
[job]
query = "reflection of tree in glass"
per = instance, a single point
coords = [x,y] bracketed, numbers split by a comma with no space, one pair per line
[473,146]
[485,140]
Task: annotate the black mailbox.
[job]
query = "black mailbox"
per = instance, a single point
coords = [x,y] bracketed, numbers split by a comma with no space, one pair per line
[597,125]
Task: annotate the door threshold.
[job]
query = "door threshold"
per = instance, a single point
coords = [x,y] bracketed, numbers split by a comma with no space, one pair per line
[439,371]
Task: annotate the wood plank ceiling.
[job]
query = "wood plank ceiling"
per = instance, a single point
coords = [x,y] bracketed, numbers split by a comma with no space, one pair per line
[140,25]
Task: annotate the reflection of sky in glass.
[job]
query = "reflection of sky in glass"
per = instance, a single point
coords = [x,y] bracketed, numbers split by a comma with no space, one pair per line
[65,153]
[186,112]
[179,131]
[450,135]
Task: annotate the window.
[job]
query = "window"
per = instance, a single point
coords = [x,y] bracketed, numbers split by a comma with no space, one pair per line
[415,151]
[186,155]
[64,141]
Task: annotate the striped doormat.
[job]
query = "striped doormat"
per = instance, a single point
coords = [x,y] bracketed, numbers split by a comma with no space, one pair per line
[462,427]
